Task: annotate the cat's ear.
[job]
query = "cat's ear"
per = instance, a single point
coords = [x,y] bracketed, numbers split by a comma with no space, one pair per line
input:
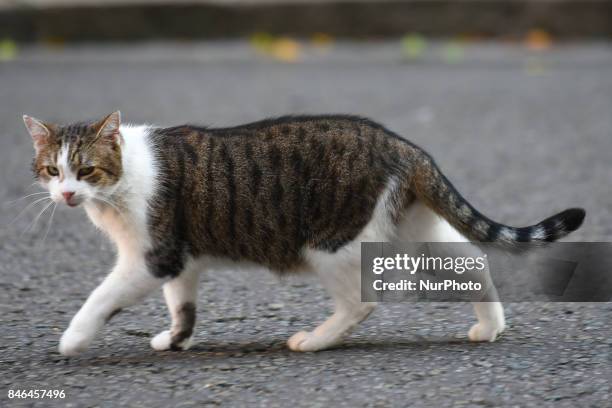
[39,131]
[108,128]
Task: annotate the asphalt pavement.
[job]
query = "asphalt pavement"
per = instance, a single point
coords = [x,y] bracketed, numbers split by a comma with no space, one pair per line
[522,134]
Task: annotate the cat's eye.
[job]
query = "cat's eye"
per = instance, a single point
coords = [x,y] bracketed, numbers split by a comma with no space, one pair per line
[85,171]
[52,170]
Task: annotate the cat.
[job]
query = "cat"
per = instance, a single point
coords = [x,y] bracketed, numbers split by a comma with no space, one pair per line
[294,194]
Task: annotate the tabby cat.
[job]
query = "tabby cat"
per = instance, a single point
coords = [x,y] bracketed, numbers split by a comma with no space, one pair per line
[294,194]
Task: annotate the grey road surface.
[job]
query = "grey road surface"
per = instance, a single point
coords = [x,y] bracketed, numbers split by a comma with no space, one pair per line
[522,135]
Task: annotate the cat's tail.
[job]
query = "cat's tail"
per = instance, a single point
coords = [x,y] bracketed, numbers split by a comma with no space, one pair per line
[437,192]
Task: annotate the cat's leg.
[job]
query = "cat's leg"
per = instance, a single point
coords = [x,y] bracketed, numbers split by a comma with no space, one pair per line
[341,278]
[180,294]
[340,273]
[420,224]
[127,284]
[491,321]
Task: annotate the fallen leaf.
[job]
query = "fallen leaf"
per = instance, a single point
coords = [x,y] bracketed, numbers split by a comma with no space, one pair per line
[286,50]
[322,40]
[8,50]
[413,45]
[453,53]
[538,40]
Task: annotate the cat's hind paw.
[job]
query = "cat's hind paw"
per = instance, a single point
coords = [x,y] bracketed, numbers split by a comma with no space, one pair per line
[308,341]
[301,341]
[296,340]
[163,342]
[485,332]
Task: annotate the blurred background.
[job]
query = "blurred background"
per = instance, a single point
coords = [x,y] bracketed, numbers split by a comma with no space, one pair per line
[79,20]
[512,97]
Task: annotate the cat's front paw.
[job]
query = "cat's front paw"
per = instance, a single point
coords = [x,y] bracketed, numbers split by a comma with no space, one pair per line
[74,342]
[485,332]
[163,342]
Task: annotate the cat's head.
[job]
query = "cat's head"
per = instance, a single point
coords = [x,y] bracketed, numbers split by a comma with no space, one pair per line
[78,162]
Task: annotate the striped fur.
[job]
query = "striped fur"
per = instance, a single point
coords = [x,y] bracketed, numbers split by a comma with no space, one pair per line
[291,194]
[264,191]
[433,188]
[79,146]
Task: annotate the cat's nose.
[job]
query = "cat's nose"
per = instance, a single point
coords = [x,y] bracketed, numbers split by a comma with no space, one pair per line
[68,195]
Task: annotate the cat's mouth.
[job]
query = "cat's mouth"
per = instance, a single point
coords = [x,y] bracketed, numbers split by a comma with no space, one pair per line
[73,202]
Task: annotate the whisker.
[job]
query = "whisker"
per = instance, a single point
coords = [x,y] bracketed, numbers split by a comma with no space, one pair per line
[26,196]
[50,222]
[35,221]
[114,206]
[27,207]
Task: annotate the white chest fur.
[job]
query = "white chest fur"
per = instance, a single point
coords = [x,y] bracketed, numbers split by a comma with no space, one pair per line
[126,222]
